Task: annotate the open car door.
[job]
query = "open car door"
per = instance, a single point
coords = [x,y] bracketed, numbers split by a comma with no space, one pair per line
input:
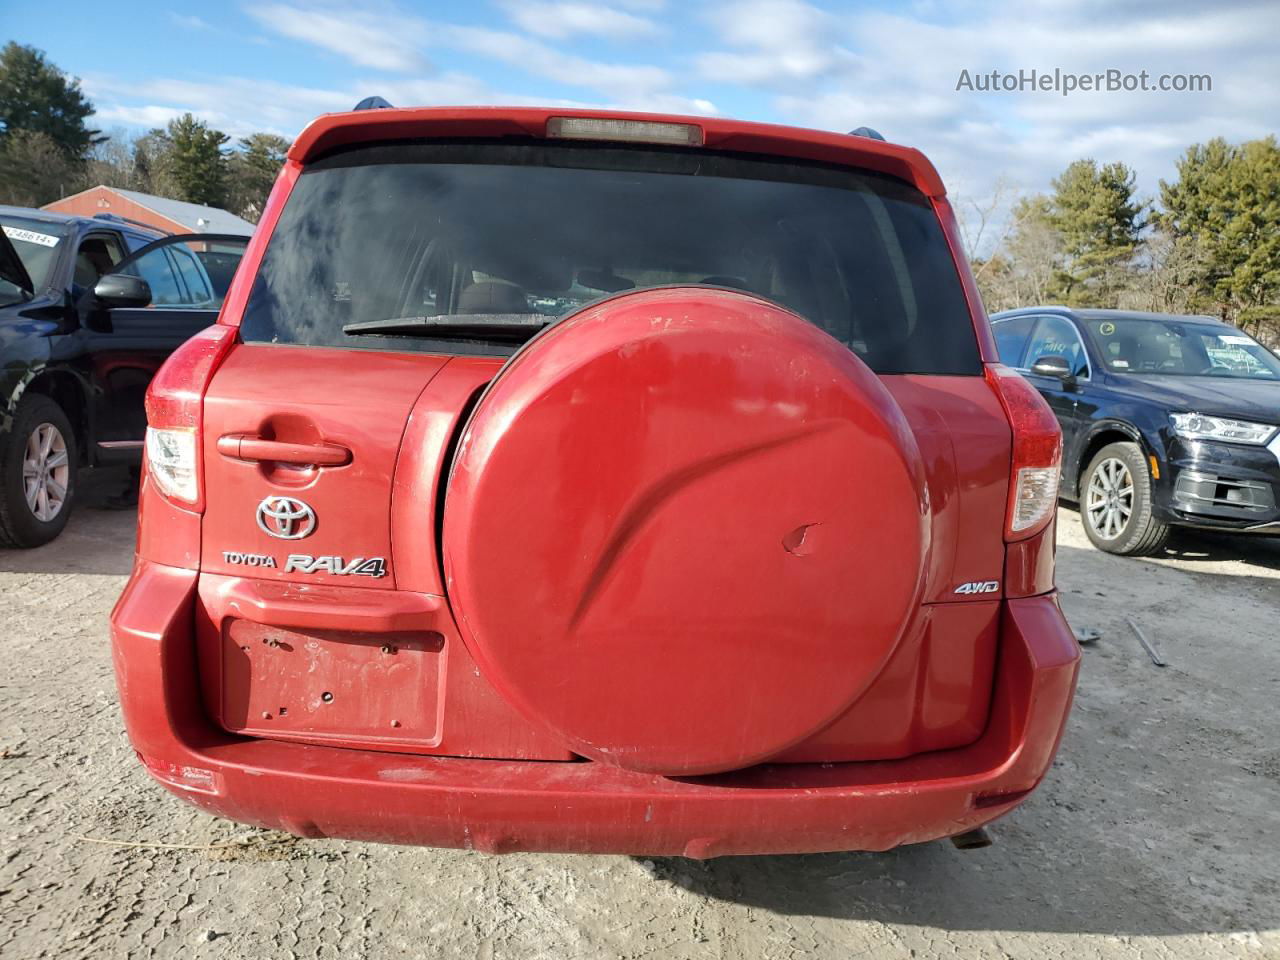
[133,327]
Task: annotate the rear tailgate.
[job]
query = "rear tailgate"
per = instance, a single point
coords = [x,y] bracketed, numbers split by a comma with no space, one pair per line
[353,536]
[339,635]
[353,401]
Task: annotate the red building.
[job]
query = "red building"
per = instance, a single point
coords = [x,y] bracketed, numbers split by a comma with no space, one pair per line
[169,216]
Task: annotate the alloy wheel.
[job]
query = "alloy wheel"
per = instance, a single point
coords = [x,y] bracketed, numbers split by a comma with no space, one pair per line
[1109,499]
[46,471]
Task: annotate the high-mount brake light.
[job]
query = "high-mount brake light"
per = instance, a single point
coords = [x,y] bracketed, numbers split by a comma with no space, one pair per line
[1037,454]
[633,131]
[175,402]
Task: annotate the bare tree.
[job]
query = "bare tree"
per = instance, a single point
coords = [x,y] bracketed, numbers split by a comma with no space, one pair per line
[979,219]
[1022,269]
[1163,280]
[111,162]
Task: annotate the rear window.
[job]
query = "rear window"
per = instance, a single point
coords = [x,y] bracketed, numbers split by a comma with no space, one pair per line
[508,237]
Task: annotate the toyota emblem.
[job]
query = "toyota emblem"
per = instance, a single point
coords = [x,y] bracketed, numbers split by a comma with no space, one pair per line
[286,518]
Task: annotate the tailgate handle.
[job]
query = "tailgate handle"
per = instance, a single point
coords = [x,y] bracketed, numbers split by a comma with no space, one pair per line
[241,446]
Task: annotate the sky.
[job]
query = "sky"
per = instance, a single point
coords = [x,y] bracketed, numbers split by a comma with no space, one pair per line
[272,66]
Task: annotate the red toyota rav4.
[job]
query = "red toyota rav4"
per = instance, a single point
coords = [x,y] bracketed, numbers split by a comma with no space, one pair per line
[563,480]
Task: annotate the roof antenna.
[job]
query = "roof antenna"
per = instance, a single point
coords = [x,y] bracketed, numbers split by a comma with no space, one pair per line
[857,132]
[377,103]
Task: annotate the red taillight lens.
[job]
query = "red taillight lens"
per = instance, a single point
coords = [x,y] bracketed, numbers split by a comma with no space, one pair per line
[174,403]
[1037,454]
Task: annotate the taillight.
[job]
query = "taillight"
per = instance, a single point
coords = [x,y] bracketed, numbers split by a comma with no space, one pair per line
[175,402]
[1037,453]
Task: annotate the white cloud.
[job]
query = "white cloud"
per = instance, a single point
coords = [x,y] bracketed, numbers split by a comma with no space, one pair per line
[144,116]
[388,40]
[190,22]
[897,72]
[614,80]
[623,86]
[558,20]
[779,44]
[826,66]
[383,42]
[237,106]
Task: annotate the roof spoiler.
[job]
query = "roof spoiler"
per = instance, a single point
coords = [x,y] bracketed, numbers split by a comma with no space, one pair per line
[372,103]
[333,130]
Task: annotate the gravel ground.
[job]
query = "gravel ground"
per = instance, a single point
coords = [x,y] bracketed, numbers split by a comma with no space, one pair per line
[1155,836]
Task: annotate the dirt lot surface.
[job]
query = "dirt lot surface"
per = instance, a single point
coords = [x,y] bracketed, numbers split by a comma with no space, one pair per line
[1157,835]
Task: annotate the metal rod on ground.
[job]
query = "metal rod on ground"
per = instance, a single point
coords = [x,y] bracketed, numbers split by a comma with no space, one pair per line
[1147,645]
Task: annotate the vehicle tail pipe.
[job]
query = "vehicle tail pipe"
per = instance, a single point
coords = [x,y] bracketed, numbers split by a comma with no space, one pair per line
[974,839]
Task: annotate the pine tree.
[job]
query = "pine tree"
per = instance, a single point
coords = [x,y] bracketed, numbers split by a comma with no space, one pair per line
[1099,221]
[1226,201]
[37,97]
[253,169]
[195,162]
[35,169]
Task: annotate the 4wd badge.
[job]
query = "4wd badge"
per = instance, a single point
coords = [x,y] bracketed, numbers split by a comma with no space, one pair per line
[979,586]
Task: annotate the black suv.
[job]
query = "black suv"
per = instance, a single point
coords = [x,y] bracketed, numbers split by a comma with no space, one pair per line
[1166,420]
[89,309]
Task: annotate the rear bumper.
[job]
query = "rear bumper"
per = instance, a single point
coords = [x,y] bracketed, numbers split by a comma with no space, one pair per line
[500,806]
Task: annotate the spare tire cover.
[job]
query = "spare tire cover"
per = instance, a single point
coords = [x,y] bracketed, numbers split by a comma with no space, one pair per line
[684,530]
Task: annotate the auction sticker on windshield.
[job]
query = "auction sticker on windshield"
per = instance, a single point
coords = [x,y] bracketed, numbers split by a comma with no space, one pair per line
[30,236]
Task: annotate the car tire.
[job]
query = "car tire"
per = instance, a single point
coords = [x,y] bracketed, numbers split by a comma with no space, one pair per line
[38,458]
[1116,503]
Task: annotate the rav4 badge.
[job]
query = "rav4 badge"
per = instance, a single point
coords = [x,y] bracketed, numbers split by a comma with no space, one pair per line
[302,563]
[373,567]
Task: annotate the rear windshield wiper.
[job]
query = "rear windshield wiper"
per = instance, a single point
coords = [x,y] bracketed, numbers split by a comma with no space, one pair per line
[506,327]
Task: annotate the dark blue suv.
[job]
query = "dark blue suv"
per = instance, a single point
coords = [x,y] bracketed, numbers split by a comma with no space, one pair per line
[89,309]
[1166,420]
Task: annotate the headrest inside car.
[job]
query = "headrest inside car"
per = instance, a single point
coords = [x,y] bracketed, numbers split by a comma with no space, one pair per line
[533,269]
[604,280]
[493,296]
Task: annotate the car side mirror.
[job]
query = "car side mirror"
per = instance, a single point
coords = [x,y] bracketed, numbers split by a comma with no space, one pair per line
[1056,367]
[122,290]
